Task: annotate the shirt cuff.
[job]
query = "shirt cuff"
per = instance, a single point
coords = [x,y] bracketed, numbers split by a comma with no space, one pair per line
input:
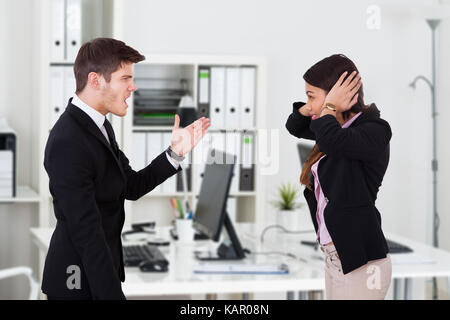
[172,161]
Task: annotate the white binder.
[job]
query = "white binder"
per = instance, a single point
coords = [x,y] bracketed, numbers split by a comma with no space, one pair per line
[247,103]
[232,97]
[154,149]
[57,20]
[217,112]
[231,209]
[247,150]
[200,155]
[233,146]
[170,185]
[138,158]
[203,84]
[69,84]
[217,143]
[6,173]
[73,27]
[56,94]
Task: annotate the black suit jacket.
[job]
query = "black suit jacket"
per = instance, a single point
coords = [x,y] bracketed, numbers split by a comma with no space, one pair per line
[350,175]
[89,184]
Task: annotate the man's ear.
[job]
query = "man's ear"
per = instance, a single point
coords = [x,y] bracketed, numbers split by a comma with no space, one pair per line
[94,80]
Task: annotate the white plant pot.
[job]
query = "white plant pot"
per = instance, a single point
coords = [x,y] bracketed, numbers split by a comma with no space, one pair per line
[292,220]
[288,219]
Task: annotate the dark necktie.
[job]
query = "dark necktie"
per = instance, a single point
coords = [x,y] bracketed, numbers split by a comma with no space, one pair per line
[111,137]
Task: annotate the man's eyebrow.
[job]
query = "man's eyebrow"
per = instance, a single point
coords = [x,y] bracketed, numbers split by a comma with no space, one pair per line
[127,76]
[309,92]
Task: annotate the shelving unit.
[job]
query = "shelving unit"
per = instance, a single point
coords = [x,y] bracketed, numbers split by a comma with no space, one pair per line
[249,204]
[25,194]
[96,19]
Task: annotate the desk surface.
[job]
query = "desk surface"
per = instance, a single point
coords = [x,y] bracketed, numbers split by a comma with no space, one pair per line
[180,279]
[303,276]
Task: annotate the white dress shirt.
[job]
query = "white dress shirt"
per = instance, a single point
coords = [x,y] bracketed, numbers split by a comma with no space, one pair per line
[99,120]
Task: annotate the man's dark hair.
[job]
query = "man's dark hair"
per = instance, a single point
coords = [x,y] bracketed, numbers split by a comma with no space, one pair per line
[103,56]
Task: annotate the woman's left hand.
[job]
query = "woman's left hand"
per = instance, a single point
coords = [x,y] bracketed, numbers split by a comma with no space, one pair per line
[344,94]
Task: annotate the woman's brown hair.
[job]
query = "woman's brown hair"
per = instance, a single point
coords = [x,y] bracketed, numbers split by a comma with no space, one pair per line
[324,74]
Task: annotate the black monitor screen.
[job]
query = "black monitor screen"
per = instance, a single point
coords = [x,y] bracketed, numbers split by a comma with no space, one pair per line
[303,151]
[211,205]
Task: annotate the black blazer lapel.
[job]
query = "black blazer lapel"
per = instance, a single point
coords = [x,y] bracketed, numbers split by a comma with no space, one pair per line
[87,123]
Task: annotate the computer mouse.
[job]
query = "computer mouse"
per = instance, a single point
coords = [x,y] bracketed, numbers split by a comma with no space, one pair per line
[153,266]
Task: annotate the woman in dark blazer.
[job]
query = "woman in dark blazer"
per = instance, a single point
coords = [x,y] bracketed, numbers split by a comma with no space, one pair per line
[342,176]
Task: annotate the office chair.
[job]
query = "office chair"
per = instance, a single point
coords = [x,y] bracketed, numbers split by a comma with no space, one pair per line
[26,271]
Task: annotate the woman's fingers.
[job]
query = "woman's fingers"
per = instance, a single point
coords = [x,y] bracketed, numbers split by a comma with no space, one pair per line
[356,87]
[339,82]
[354,100]
[350,79]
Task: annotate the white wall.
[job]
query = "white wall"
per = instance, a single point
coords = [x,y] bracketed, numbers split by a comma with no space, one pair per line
[443,154]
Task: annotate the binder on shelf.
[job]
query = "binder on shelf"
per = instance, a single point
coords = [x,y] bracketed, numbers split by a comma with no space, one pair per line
[247,103]
[211,141]
[170,185]
[8,172]
[69,84]
[57,18]
[200,155]
[73,27]
[203,152]
[187,165]
[233,146]
[62,88]
[203,91]
[217,142]
[217,105]
[232,97]
[247,167]
[231,209]
[56,93]
[138,158]
[154,149]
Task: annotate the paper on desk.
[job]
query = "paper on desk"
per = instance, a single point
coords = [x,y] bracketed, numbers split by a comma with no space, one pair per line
[242,268]
[410,258]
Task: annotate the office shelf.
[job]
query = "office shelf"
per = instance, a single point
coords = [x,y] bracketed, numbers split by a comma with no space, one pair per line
[243,194]
[25,194]
[250,204]
[231,129]
[152,128]
[164,194]
[169,128]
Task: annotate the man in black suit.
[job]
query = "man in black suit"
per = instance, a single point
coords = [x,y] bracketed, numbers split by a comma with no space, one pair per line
[90,177]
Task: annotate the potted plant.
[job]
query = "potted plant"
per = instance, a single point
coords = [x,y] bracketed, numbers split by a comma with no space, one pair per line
[288,216]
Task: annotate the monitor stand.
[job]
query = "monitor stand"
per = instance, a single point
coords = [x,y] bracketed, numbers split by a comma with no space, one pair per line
[228,250]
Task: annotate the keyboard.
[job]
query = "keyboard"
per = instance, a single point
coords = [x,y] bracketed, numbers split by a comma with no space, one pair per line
[395,247]
[134,255]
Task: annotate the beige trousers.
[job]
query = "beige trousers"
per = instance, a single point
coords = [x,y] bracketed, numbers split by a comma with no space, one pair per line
[369,282]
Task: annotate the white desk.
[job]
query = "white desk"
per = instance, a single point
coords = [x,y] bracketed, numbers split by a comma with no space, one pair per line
[180,279]
[302,277]
[402,271]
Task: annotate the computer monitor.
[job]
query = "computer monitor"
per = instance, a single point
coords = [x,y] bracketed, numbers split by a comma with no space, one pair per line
[304,149]
[211,213]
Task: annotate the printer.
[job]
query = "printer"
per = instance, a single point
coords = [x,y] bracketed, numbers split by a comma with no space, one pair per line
[8,147]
